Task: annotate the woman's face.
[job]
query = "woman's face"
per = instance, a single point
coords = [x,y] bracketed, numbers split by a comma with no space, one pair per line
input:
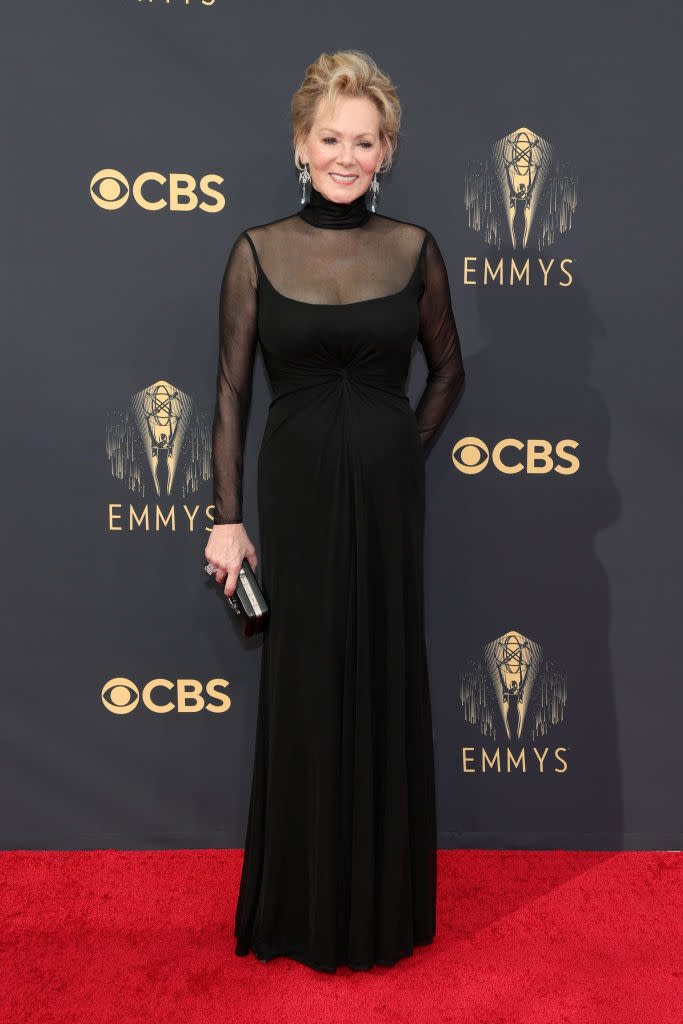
[343,150]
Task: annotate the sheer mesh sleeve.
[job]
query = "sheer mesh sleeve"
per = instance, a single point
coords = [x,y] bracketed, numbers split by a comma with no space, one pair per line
[438,336]
[237,348]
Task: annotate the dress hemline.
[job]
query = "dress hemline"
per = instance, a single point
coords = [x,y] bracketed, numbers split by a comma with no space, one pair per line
[266,956]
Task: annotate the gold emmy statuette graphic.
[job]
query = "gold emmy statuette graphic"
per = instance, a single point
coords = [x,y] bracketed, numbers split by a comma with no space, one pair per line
[160,440]
[512,661]
[514,690]
[521,188]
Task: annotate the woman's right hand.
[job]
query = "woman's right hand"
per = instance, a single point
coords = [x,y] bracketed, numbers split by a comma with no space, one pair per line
[227,546]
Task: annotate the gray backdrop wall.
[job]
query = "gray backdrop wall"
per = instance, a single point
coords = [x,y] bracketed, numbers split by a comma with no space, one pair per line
[541,147]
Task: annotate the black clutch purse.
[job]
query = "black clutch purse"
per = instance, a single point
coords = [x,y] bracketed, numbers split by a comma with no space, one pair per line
[248,601]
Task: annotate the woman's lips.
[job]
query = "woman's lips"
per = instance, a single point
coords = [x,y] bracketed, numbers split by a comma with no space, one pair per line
[343,179]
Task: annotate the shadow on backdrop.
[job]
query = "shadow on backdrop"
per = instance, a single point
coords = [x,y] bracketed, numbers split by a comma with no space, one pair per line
[517,553]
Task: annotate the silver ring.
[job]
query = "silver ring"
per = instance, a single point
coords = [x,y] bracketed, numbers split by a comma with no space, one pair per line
[210,568]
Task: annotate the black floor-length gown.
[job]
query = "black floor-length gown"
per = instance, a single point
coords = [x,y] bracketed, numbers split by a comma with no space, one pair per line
[340,853]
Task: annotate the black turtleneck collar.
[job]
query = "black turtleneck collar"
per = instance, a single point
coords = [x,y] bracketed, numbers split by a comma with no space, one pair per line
[324,213]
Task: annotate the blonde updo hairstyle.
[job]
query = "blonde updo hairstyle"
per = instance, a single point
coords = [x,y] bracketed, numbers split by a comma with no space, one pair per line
[346,73]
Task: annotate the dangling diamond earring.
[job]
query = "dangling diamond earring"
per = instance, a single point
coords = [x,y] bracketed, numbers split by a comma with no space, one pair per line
[304,178]
[374,186]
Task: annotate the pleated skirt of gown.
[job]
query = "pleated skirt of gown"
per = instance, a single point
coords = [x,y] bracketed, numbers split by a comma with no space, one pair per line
[340,851]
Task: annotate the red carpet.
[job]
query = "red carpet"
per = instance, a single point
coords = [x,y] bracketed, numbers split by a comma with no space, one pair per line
[547,937]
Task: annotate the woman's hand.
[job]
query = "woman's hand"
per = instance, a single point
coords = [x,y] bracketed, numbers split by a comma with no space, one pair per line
[228,544]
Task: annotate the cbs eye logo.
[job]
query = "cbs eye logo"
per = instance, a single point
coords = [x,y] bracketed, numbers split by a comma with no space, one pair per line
[121,696]
[110,191]
[471,455]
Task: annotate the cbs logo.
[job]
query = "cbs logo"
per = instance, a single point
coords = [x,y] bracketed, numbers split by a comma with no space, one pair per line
[121,696]
[471,455]
[110,190]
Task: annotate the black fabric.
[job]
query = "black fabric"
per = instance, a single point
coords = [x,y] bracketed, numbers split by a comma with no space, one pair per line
[322,213]
[340,851]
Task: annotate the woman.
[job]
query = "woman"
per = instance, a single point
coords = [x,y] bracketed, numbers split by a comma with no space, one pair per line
[340,853]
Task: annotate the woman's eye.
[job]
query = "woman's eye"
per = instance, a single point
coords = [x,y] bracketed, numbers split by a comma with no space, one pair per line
[366,145]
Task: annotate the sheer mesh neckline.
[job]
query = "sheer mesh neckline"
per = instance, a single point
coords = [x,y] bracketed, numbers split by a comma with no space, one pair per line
[338,305]
[322,212]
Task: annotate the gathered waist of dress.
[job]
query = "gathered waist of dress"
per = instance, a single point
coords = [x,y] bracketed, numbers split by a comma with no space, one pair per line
[337,376]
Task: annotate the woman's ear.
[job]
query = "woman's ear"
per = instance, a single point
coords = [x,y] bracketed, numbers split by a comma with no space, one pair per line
[385,147]
[301,152]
